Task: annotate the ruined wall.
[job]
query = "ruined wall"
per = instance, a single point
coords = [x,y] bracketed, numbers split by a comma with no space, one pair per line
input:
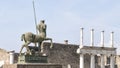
[4,56]
[66,54]
[118,61]
[63,54]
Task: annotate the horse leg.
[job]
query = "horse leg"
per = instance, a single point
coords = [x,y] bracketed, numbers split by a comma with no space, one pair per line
[27,48]
[22,49]
[35,44]
[39,46]
[50,41]
[42,48]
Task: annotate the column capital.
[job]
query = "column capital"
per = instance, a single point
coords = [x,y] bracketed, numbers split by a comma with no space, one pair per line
[102,55]
[112,32]
[82,54]
[103,31]
[81,28]
[92,54]
[112,55]
[92,29]
[11,51]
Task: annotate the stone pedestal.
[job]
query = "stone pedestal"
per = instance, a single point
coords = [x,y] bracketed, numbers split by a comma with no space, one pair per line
[33,65]
[32,59]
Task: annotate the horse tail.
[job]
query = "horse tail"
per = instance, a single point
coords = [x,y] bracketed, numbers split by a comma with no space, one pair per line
[23,37]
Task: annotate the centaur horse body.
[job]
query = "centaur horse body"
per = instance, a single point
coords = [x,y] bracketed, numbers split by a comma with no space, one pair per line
[33,38]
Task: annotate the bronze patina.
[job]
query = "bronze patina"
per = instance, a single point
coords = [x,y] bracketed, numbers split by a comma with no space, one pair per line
[35,38]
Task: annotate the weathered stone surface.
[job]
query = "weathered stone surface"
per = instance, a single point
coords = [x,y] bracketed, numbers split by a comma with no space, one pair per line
[118,61]
[97,50]
[32,59]
[33,65]
[63,54]
[4,56]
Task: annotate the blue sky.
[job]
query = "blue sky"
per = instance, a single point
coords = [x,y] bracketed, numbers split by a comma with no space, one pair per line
[64,18]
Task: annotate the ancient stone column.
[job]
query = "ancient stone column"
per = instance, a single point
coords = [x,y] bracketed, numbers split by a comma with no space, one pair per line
[81,61]
[81,37]
[11,53]
[92,63]
[105,58]
[111,39]
[102,39]
[69,66]
[92,37]
[102,61]
[112,61]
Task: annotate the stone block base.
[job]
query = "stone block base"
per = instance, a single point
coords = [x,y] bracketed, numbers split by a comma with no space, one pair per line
[32,59]
[33,65]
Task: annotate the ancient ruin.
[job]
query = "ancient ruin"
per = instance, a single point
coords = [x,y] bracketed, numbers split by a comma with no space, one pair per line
[92,50]
[61,55]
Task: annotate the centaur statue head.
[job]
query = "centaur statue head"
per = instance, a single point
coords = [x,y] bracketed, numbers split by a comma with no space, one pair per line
[35,38]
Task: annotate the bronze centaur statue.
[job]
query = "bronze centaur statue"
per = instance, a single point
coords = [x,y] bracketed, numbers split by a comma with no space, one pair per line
[33,38]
